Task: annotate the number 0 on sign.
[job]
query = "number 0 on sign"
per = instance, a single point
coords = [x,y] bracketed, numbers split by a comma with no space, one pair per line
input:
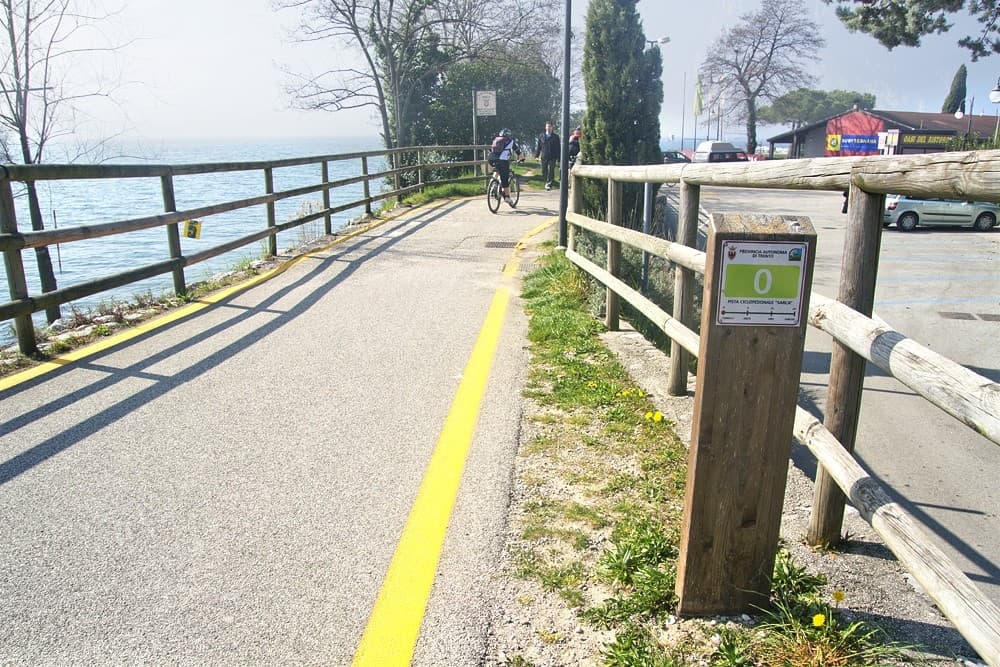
[762,283]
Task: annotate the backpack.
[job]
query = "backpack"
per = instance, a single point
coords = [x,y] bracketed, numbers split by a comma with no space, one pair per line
[499,144]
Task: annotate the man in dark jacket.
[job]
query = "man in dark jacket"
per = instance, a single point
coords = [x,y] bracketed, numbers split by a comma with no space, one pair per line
[547,148]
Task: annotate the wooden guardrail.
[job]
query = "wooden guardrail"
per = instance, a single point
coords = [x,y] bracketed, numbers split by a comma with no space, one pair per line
[967,396]
[409,164]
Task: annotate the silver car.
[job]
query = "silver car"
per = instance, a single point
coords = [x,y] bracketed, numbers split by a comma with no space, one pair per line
[906,213]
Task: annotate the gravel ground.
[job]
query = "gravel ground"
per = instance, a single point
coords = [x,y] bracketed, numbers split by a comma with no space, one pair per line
[534,627]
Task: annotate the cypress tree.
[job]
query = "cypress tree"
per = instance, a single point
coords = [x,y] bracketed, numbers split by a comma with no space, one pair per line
[624,94]
[956,96]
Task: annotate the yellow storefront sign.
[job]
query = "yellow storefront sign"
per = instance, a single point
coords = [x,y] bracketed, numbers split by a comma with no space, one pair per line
[833,142]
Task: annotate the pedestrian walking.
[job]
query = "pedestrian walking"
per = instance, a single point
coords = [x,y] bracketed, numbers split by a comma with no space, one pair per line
[547,148]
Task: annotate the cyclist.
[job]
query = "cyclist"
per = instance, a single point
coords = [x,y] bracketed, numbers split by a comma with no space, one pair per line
[504,147]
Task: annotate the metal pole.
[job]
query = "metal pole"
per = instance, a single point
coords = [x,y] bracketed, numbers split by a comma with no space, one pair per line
[683,105]
[647,216]
[564,162]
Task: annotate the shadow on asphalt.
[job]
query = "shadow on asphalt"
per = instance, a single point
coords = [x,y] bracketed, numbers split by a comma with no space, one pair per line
[38,454]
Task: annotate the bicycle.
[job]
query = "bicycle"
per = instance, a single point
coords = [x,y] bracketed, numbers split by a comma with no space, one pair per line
[493,192]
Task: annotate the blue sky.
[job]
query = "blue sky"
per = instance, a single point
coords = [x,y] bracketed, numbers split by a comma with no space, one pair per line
[200,68]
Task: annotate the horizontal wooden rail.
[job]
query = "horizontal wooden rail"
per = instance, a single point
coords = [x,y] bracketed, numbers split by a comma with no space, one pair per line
[675,252]
[958,391]
[662,319]
[970,175]
[964,394]
[15,240]
[57,172]
[974,614]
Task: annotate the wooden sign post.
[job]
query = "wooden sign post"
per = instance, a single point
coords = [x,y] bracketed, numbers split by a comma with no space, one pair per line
[758,276]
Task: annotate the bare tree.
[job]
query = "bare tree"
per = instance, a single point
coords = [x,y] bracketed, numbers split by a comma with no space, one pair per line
[38,99]
[399,48]
[760,59]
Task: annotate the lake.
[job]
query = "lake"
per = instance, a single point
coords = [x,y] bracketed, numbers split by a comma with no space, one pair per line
[93,201]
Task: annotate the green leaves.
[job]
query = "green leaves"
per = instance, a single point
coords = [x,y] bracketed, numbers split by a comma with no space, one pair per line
[904,22]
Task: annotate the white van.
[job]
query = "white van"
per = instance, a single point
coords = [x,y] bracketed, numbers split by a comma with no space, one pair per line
[718,151]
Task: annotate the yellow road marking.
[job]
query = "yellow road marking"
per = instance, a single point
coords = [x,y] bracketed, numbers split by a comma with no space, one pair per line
[394,624]
[395,621]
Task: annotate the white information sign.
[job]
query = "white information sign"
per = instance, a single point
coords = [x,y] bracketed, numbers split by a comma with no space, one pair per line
[762,283]
[486,103]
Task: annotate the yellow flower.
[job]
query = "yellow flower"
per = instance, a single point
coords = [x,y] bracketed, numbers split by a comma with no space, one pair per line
[649,415]
[819,620]
[658,416]
[838,596]
[592,384]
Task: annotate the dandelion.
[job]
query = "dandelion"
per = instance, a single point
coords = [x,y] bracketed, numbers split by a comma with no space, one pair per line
[838,596]
[649,415]
[592,384]
[657,416]
[819,620]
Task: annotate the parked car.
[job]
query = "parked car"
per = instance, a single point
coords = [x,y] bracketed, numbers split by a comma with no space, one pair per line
[718,151]
[670,157]
[908,212]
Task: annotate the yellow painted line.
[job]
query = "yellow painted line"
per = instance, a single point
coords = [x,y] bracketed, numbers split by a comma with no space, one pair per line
[185,311]
[394,624]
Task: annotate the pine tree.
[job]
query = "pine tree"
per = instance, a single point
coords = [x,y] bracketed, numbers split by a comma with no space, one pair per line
[624,94]
[956,96]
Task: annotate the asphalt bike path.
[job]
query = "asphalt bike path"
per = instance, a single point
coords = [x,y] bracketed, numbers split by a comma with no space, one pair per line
[312,470]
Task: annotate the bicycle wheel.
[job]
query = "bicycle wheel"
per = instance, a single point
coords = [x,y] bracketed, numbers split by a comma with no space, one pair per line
[515,190]
[493,195]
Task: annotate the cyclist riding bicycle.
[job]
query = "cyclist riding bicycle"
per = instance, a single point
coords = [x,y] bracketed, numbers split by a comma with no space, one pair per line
[504,146]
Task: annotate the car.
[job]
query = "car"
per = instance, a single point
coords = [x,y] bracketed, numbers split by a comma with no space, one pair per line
[909,212]
[671,157]
[718,151]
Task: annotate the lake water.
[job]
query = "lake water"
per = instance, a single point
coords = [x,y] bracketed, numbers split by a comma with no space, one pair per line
[92,201]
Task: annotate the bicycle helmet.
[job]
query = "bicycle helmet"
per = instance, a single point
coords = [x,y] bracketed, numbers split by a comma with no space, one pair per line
[505,133]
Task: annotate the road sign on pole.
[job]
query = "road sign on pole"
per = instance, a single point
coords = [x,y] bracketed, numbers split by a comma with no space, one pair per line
[486,103]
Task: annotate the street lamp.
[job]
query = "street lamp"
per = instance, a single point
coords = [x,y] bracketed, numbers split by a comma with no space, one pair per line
[654,42]
[961,114]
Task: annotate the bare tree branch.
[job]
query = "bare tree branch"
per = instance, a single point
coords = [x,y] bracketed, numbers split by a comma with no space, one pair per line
[394,50]
[760,59]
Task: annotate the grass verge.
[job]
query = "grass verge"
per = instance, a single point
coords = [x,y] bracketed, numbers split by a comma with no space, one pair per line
[604,474]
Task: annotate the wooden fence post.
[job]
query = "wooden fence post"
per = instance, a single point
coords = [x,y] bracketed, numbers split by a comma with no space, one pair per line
[420,168]
[758,277]
[684,283]
[613,301]
[24,328]
[173,234]
[272,240]
[327,221]
[368,193]
[847,369]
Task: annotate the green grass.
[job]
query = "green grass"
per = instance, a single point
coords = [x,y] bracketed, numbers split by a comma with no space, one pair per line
[447,191]
[600,435]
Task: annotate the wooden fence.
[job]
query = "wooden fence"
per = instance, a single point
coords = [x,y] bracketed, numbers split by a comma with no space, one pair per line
[407,172]
[971,398]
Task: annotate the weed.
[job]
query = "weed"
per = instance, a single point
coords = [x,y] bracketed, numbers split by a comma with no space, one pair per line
[636,647]
[733,650]
[634,483]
